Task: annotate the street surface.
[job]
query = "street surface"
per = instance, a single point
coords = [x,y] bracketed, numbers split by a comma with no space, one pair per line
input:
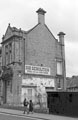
[4,116]
[9,114]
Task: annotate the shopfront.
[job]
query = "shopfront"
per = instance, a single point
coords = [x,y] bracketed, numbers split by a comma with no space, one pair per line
[34,85]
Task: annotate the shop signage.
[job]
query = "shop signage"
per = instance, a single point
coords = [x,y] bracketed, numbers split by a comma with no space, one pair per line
[45,82]
[37,70]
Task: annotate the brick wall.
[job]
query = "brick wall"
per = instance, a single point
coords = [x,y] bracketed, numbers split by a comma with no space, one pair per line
[41,48]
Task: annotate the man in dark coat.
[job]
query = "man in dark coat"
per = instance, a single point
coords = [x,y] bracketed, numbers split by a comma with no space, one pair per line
[25,103]
[31,106]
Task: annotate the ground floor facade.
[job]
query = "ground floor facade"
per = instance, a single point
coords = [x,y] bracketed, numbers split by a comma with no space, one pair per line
[32,86]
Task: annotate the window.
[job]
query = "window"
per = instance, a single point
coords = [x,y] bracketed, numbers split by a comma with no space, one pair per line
[0,60]
[30,94]
[9,85]
[6,54]
[6,48]
[59,83]
[0,88]
[59,67]
[10,52]
[18,90]
[10,56]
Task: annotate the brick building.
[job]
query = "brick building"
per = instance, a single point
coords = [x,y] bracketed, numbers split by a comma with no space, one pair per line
[37,59]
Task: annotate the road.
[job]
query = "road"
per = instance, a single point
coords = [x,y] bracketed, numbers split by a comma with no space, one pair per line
[4,116]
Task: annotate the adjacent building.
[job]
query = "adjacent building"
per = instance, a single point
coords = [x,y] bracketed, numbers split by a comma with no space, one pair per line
[37,60]
[72,84]
[1,83]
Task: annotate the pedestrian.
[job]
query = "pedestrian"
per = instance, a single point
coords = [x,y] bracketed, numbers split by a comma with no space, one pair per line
[25,103]
[28,108]
[31,106]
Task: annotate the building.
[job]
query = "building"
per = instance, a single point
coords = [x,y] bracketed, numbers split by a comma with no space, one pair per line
[72,84]
[37,60]
[0,56]
[1,83]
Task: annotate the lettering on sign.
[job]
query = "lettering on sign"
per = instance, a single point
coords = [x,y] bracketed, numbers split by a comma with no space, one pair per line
[37,70]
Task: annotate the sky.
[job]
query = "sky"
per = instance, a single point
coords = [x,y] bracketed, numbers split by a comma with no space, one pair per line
[62,15]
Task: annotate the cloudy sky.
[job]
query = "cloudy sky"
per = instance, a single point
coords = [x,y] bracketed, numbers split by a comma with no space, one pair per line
[62,15]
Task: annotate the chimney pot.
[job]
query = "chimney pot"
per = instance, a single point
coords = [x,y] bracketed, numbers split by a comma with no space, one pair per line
[41,14]
[61,33]
[41,11]
[61,37]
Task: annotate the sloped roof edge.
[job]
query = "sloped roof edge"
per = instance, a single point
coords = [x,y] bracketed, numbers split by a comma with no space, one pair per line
[50,32]
[32,28]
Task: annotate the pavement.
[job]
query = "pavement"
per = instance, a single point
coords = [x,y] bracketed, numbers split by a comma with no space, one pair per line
[36,115]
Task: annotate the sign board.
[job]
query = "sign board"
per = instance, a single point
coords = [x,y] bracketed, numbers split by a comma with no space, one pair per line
[46,82]
[37,70]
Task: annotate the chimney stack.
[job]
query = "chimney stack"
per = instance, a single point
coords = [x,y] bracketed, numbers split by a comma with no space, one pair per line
[61,37]
[41,16]
[61,40]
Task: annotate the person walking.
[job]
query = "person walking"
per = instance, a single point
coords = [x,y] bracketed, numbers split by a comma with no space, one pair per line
[25,103]
[31,106]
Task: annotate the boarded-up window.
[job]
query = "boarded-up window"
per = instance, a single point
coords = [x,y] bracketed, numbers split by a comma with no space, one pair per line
[59,67]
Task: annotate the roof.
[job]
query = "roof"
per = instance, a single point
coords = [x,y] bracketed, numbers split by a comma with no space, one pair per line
[11,31]
[15,31]
[72,82]
[50,32]
[32,28]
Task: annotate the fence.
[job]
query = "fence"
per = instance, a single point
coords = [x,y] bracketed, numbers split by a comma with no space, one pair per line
[65,103]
